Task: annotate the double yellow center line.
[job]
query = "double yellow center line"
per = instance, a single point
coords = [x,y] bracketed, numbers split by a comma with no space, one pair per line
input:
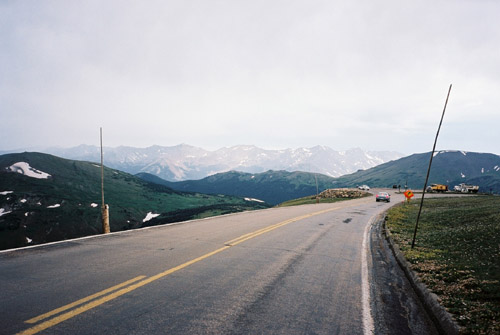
[116,291]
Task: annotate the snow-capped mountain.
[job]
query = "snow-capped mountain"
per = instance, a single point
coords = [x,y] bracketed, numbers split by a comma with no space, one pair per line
[184,162]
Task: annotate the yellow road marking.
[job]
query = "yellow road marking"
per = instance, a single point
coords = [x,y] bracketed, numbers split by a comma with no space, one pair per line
[249,236]
[81,301]
[261,231]
[68,315]
[63,317]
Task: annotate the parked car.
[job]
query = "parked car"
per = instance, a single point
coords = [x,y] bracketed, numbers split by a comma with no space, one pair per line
[383,196]
[364,187]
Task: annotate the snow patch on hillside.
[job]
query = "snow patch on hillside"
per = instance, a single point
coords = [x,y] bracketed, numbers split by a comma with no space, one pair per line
[253,199]
[150,216]
[4,212]
[54,206]
[447,151]
[6,192]
[25,169]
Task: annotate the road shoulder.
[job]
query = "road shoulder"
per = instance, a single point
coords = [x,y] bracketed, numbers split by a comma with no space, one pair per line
[396,308]
[441,318]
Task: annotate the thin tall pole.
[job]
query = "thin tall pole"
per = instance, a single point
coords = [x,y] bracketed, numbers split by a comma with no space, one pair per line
[317,190]
[102,173]
[105,208]
[429,169]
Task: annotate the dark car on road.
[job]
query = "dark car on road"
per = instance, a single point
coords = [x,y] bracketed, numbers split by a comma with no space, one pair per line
[383,196]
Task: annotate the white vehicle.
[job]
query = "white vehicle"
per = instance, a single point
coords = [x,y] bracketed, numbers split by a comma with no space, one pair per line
[364,187]
[465,188]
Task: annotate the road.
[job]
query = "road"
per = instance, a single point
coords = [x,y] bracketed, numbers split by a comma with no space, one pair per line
[294,270]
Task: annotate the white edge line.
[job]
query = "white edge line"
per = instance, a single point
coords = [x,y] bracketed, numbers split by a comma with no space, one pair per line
[126,231]
[137,229]
[368,324]
[133,230]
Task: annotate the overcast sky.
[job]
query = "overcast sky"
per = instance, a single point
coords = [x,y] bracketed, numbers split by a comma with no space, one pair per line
[276,74]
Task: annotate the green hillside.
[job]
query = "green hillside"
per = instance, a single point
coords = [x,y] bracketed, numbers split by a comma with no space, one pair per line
[67,204]
[448,167]
[273,187]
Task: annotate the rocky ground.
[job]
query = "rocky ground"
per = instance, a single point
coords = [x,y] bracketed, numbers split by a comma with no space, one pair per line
[342,193]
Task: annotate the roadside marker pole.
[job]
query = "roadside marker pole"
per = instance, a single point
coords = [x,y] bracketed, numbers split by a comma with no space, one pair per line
[317,190]
[429,170]
[104,208]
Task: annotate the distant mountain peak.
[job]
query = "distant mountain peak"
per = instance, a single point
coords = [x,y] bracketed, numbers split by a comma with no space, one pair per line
[184,162]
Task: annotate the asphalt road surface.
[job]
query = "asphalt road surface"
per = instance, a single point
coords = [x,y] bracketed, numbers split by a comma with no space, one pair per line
[295,270]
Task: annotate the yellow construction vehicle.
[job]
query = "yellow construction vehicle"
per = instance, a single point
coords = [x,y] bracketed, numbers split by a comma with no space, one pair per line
[437,188]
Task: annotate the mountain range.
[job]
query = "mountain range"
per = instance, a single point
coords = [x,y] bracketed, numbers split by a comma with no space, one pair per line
[185,162]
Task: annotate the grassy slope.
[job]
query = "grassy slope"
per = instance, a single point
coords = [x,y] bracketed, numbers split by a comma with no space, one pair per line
[457,255]
[75,185]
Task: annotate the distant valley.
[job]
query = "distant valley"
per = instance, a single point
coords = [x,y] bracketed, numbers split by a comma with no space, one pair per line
[271,186]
